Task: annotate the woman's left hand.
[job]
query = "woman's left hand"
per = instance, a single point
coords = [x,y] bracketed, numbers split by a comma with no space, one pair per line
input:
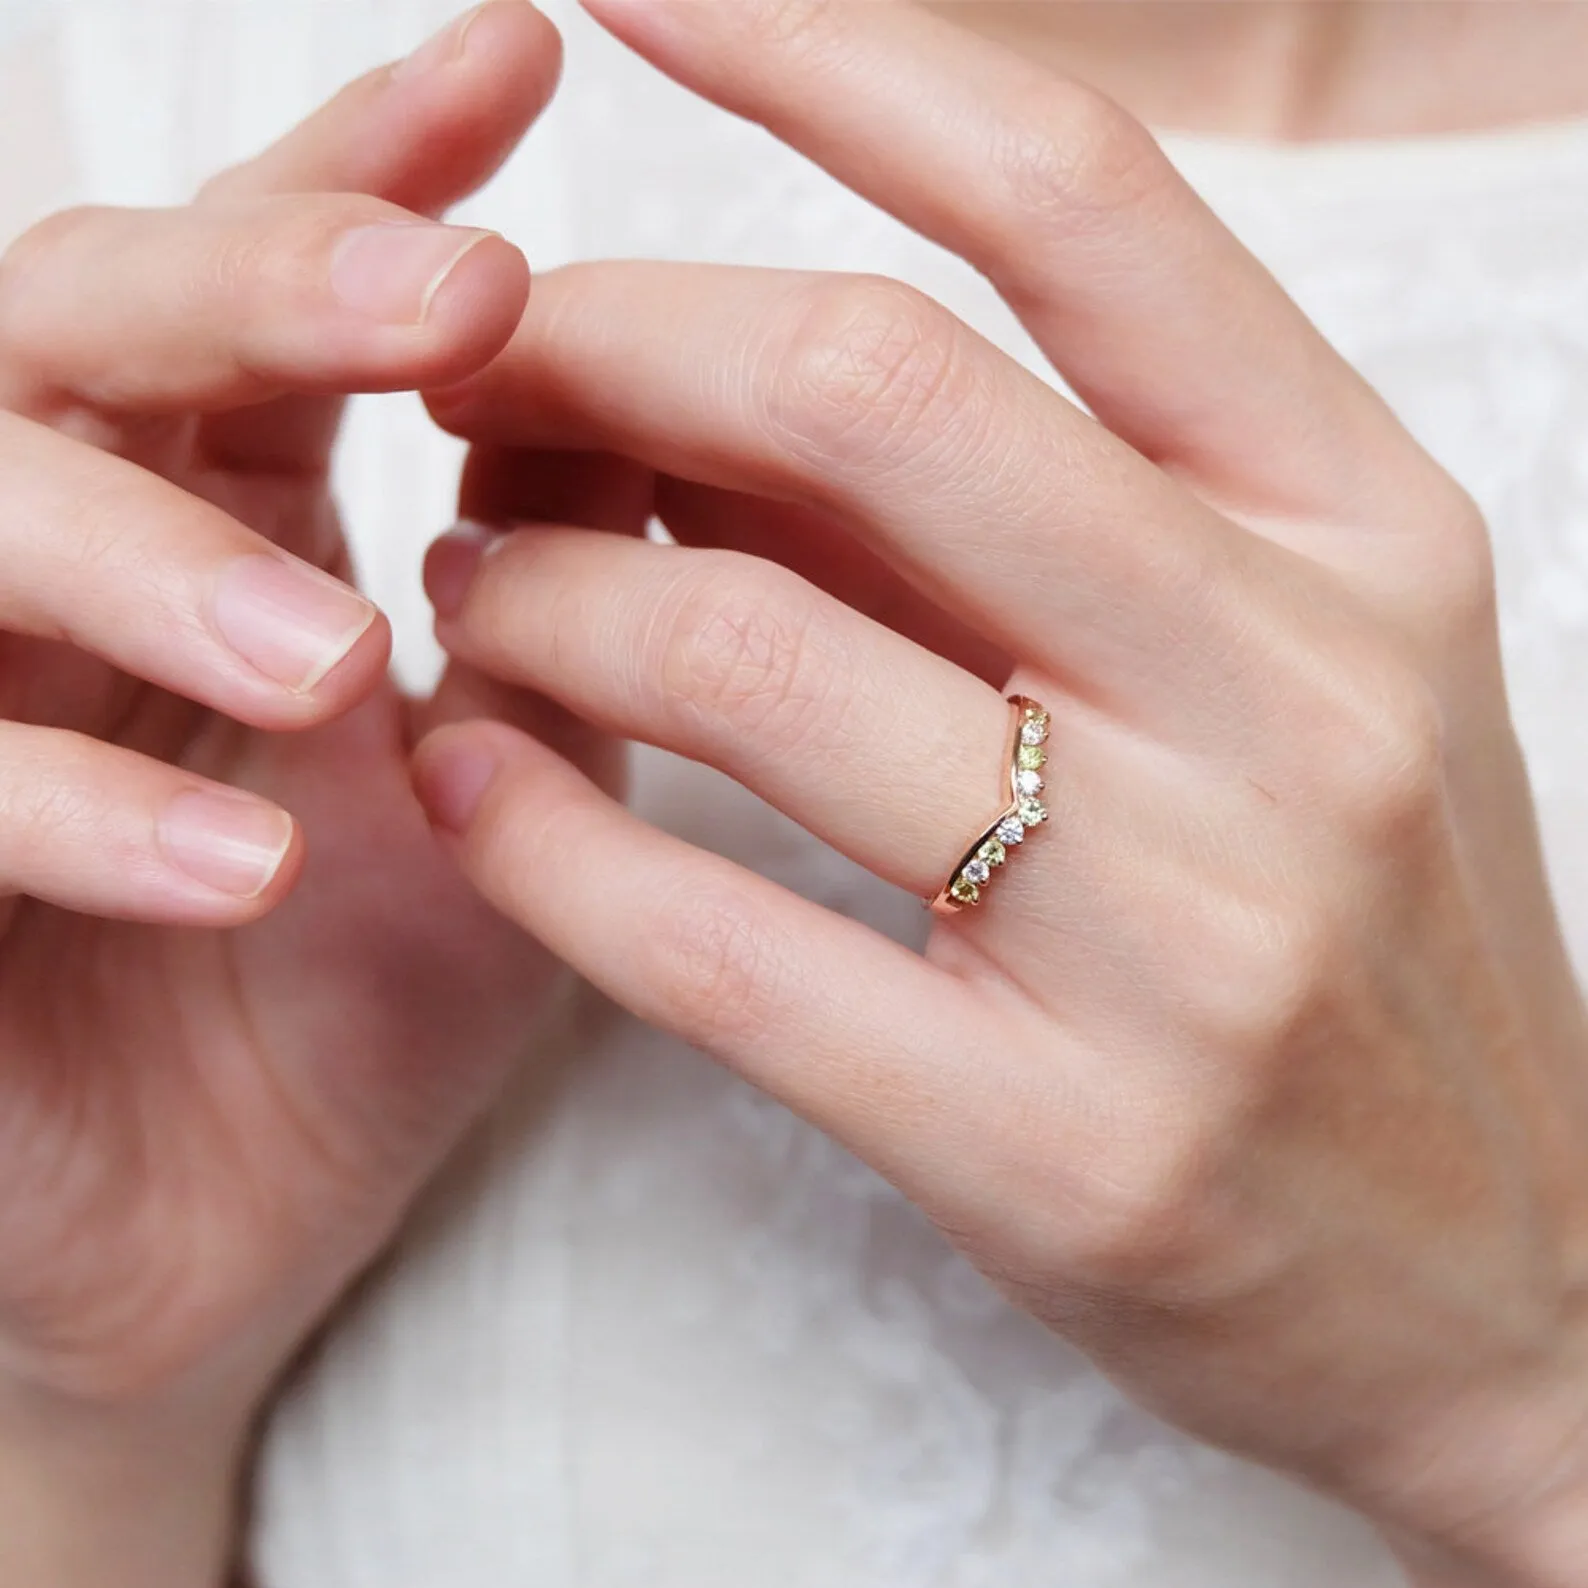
[1259,1069]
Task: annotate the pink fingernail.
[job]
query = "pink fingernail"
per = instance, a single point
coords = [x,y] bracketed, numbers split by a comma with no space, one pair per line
[392,272]
[441,49]
[450,566]
[229,841]
[450,785]
[288,620]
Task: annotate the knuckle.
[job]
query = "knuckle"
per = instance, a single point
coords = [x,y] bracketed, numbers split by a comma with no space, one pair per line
[1142,1231]
[1454,592]
[48,811]
[238,263]
[275,244]
[1388,779]
[741,654]
[57,801]
[870,371]
[1255,974]
[1071,160]
[26,268]
[274,252]
[714,968]
[782,24]
[98,543]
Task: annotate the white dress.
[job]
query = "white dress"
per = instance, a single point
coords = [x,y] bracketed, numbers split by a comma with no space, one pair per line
[651,1332]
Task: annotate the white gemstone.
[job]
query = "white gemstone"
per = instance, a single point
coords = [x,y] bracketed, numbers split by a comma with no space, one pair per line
[977,871]
[1011,830]
[1028,782]
[1033,732]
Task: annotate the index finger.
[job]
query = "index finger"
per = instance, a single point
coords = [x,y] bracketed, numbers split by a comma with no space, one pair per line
[1166,326]
[422,134]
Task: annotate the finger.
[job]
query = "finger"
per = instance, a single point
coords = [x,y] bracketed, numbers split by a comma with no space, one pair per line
[421,135]
[168,588]
[818,548]
[832,717]
[89,826]
[162,311]
[425,132]
[866,401]
[502,487]
[1165,325]
[884,1051]
[901,761]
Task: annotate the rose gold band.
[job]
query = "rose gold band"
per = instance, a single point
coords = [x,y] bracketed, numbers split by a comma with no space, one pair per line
[1026,754]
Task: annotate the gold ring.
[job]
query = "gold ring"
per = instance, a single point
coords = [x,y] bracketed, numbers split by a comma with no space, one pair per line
[1027,751]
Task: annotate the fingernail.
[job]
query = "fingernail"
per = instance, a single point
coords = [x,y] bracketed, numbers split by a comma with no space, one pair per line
[392,272]
[451,785]
[450,566]
[229,841]
[441,49]
[289,620]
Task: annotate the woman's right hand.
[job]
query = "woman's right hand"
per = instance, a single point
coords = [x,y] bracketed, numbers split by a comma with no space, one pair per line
[205,1132]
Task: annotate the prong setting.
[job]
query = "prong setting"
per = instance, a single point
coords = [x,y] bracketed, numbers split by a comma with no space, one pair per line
[1027,756]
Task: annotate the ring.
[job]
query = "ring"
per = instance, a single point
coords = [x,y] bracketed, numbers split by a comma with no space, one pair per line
[1028,732]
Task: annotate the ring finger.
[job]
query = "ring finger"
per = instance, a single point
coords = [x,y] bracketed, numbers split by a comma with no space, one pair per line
[890,752]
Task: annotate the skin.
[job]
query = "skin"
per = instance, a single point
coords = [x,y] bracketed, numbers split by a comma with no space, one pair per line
[1305,69]
[1271,1016]
[1260,1073]
[216,1102]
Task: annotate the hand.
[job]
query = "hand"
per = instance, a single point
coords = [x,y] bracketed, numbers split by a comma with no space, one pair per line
[1259,1069]
[205,1133]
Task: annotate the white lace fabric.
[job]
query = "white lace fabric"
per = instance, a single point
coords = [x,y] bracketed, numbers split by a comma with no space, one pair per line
[649,1331]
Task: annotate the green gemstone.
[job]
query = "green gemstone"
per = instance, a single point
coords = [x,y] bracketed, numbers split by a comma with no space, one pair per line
[1032,812]
[1031,757]
[992,852]
[964,890]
